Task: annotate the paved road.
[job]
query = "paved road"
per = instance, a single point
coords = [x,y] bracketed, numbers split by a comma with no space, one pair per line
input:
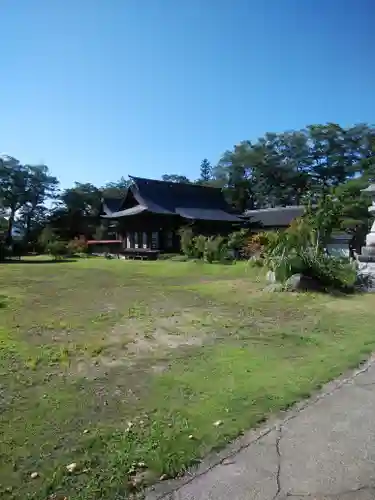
[323,450]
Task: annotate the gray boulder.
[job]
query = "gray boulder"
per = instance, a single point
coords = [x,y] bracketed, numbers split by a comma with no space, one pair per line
[366,277]
[301,283]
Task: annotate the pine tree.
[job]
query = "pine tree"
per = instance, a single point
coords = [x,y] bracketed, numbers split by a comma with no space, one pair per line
[206,171]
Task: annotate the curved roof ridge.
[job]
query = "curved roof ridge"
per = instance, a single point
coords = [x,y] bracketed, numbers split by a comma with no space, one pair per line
[161,181]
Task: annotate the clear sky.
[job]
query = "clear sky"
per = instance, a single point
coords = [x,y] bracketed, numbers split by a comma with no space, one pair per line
[98,89]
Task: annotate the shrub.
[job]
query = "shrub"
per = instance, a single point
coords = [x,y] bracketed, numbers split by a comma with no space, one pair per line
[57,248]
[187,241]
[213,248]
[237,239]
[254,245]
[216,249]
[329,271]
[199,243]
[297,251]
[255,261]
[77,246]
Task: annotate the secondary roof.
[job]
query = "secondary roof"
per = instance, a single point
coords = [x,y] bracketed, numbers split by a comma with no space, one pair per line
[275,216]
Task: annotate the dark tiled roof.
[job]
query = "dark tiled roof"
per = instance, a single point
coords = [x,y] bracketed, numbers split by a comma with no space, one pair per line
[191,201]
[111,205]
[206,214]
[275,217]
[123,213]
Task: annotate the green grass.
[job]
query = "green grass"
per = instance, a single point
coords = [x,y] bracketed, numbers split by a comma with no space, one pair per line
[172,347]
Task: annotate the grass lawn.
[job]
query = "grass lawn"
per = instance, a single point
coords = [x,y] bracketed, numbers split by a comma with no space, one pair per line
[108,364]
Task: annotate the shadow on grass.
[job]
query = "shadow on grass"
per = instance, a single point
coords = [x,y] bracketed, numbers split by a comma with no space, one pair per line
[3,301]
[33,262]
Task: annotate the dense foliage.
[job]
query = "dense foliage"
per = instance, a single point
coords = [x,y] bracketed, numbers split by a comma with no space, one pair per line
[78,246]
[280,169]
[211,248]
[57,249]
[254,245]
[188,247]
[300,250]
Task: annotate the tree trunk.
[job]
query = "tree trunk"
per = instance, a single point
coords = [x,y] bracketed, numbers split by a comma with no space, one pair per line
[9,235]
[27,229]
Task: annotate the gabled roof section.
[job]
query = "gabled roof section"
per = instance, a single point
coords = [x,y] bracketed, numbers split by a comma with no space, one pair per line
[111,205]
[190,201]
[123,213]
[170,195]
[148,194]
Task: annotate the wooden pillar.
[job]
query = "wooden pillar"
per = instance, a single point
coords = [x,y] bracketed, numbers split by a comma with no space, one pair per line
[131,240]
[144,240]
[155,240]
[176,241]
[169,239]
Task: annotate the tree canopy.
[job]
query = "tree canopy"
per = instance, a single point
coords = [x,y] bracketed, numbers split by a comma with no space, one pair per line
[175,178]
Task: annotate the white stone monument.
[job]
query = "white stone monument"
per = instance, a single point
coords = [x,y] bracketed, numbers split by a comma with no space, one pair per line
[370,238]
[366,261]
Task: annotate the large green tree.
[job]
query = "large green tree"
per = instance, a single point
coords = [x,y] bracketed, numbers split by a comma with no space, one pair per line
[13,190]
[40,187]
[116,189]
[280,169]
[24,189]
[77,211]
[354,217]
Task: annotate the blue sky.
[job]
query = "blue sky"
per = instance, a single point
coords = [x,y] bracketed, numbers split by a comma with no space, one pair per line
[98,89]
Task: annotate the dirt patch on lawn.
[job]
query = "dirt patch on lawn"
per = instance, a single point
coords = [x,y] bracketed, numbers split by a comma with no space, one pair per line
[134,340]
[158,334]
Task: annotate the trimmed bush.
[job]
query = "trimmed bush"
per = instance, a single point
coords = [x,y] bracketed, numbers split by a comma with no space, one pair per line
[57,248]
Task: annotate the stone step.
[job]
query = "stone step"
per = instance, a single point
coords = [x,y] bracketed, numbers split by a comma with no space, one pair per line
[366,258]
[368,251]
